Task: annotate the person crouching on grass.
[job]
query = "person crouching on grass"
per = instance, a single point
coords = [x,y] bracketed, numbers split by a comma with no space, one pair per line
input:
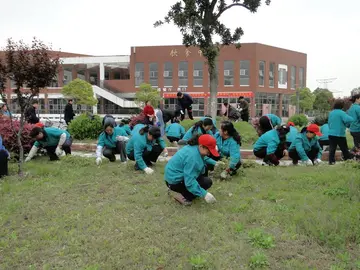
[199,128]
[291,136]
[54,140]
[306,147]
[175,131]
[184,173]
[144,147]
[271,146]
[111,141]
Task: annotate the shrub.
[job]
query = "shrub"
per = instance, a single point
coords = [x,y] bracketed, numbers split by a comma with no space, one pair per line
[84,127]
[320,120]
[10,138]
[299,120]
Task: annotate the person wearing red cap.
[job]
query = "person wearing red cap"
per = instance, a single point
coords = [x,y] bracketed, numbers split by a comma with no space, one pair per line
[149,113]
[185,172]
[306,147]
[291,136]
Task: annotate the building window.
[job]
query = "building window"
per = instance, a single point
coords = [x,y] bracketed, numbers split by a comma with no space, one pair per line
[183,74]
[198,73]
[139,74]
[168,74]
[261,73]
[57,105]
[228,73]
[286,105]
[67,76]
[244,73]
[272,75]
[266,103]
[301,78]
[197,106]
[293,77]
[153,68]
[111,108]
[232,101]
[282,71]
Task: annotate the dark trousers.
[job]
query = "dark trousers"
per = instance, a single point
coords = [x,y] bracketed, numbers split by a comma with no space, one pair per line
[279,154]
[245,116]
[204,182]
[119,149]
[324,143]
[3,163]
[356,137]
[173,139]
[265,124]
[189,111]
[342,143]
[148,156]
[312,155]
[66,147]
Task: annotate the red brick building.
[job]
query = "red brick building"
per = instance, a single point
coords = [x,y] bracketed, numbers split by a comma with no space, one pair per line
[266,75]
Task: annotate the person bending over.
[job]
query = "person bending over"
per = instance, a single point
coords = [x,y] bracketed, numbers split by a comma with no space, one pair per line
[185,102]
[54,140]
[175,131]
[184,173]
[291,136]
[200,128]
[268,122]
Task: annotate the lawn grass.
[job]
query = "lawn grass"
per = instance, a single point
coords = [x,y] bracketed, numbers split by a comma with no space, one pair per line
[74,215]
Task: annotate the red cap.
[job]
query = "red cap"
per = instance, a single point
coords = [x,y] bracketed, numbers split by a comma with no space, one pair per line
[210,143]
[314,129]
[291,124]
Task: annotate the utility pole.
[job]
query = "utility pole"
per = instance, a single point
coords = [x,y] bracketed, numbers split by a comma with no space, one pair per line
[325,82]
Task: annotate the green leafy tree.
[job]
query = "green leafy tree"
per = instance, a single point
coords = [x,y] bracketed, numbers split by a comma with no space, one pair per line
[147,93]
[306,100]
[199,21]
[81,91]
[323,98]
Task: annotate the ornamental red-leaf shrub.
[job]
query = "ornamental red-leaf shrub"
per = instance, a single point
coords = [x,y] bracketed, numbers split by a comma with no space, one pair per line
[137,119]
[10,137]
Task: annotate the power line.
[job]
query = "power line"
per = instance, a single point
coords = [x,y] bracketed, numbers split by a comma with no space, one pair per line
[325,82]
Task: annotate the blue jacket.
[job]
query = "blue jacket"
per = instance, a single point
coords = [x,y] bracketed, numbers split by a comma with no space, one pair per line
[175,130]
[186,166]
[2,147]
[354,112]
[302,145]
[52,137]
[110,140]
[275,120]
[214,130]
[189,134]
[338,122]
[127,129]
[228,148]
[139,143]
[270,140]
[324,129]
[136,129]
[291,136]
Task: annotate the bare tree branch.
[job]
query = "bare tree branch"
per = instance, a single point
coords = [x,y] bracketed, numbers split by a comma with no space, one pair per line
[230,6]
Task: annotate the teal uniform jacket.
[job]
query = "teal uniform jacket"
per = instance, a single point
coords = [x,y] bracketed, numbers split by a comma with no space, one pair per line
[275,120]
[302,145]
[186,166]
[175,130]
[228,148]
[291,136]
[324,129]
[139,143]
[354,112]
[189,134]
[270,140]
[110,140]
[214,129]
[338,122]
[52,137]
[127,129]
[136,129]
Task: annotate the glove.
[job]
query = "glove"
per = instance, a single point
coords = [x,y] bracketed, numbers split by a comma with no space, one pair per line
[307,163]
[317,161]
[148,170]
[166,153]
[182,112]
[209,198]
[224,175]
[32,153]
[122,138]
[219,163]
[98,161]
[58,151]
[99,151]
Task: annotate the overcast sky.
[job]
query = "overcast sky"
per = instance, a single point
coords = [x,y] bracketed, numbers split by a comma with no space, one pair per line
[327,30]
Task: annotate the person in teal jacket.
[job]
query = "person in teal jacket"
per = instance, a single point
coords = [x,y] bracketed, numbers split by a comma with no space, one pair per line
[184,173]
[175,131]
[354,112]
[124,124]
[111,141]
[54,140]
[271,146]
[199,128]
[4,157]
[306,147]
[324,139]
[268,122]
[214,129]
[338,122]
[291,136]
[144,147]
[136,129]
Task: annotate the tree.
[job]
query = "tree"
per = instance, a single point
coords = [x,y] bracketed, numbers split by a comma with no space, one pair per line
[307,99]
[323,99]
[199,21]
[355,91]
[147,93]
[31,68]
[81,91]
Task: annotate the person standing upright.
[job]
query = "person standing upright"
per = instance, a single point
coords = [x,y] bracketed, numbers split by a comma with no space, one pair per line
[185,101]
[30,114]
[69,112]
[243,107]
